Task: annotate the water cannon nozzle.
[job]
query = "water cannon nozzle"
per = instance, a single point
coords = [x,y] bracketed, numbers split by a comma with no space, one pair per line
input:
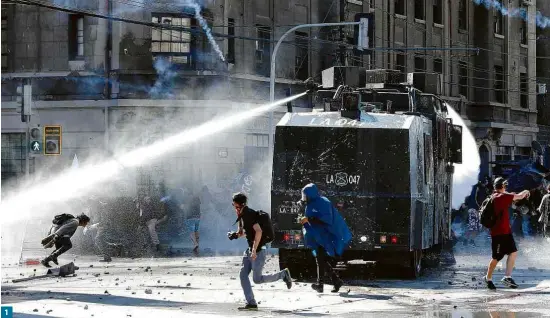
[311,86]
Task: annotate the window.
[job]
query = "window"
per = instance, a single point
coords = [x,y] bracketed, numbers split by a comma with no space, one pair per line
[400,62]
[419,9]
[463,14]
[438,65]
[257,140]
[503,153]
[4,35]
[76,37]
[399,7]
[522,153]
[301,63]
[438,11]
[372,4]
[524,91]
[174,45]
[523,28]
[14,151]
[419,64]
[499,23]
[463,79]
[231,41]
[499,84]
[263,50]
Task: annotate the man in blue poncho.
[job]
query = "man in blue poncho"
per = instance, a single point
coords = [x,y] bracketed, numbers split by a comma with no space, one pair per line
[325,232]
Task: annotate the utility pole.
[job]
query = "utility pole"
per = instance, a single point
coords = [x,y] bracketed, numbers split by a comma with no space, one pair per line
[342,48]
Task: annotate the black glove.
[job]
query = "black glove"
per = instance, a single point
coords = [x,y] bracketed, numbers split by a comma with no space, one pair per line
[232,235]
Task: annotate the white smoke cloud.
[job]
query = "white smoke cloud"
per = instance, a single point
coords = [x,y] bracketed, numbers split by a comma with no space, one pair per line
[466,174]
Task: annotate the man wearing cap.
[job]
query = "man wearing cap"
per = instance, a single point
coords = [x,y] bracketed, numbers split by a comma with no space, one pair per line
[502,241]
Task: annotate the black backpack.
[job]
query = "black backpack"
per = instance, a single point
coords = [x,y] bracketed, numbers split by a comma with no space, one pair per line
[264,220]
[62,218]
[487,215]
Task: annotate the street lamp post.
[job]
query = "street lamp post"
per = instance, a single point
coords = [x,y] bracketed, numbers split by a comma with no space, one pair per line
[273,60]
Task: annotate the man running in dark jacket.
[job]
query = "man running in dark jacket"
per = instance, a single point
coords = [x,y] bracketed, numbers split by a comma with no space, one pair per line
[60,236]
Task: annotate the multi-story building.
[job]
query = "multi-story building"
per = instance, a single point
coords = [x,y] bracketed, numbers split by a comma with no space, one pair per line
[107,82]
[494,89]
[115,85]
[543,81]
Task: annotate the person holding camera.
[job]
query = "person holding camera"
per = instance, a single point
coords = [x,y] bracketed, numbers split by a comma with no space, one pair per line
[250,225]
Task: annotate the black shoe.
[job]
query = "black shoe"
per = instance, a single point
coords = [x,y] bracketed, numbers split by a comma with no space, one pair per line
[509,282]
[54,260]
[339,283]
[46,263]
[317,287]
[489,283]
[249,307]
[287,278]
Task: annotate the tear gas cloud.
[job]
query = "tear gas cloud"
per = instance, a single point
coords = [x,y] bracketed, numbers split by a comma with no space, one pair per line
[466,173]
[57,193]
[540,20]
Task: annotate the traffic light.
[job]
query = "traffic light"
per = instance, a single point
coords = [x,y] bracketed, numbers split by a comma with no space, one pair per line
[35,140]
[52,140]
[24,100]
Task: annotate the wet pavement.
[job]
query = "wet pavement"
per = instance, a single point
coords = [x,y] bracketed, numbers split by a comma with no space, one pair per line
[208,286]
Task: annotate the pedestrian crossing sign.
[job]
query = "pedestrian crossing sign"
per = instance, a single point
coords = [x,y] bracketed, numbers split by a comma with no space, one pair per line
[36,147]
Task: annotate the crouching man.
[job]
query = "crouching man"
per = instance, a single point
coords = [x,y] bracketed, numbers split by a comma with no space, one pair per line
[325,232]
[64,227]
[250,224]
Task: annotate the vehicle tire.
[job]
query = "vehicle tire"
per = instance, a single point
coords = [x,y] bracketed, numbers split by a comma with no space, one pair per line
[299,262]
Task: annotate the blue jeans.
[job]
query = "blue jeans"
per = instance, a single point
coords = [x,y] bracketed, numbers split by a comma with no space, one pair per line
[256,266]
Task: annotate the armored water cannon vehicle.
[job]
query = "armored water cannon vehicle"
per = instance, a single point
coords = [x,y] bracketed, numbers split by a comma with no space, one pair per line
[383,152]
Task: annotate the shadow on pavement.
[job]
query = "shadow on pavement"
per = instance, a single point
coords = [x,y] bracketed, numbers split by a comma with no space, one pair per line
[104,299]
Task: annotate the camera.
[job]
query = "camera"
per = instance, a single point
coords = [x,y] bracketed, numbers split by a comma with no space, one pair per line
[232,235]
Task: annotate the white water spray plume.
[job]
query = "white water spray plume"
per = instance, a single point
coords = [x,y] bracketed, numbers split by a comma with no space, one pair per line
[540,20]
[77,183]
[466,174]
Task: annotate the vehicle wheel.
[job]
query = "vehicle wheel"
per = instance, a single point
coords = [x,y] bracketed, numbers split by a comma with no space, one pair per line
[300,263]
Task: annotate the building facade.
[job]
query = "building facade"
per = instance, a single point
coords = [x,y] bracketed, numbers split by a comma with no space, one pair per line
[543,77]
[116,85]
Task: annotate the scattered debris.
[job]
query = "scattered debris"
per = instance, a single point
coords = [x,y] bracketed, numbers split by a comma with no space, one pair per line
[86,307]
[35,310]
[188,284]
[49,311]
[148,291]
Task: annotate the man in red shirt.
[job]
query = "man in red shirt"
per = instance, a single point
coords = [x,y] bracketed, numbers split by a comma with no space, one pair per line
[502,241]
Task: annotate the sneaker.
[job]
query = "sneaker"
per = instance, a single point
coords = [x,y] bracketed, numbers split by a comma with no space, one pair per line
[249,307]
[46,263]
[337,286]
[489,283]
[317,287]
[509,282]
[287,278]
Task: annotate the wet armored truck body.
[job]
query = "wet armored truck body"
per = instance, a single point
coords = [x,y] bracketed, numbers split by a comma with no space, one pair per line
[387,170]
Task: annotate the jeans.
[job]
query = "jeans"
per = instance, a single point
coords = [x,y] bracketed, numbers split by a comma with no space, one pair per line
[256,266]
[152,227]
